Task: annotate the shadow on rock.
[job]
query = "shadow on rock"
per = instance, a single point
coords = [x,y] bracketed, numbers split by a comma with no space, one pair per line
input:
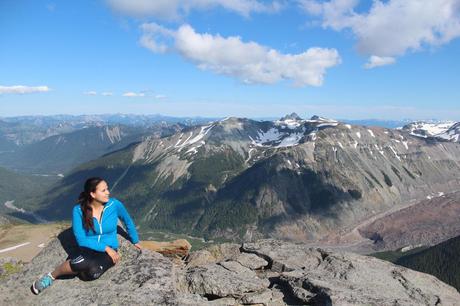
[70,246]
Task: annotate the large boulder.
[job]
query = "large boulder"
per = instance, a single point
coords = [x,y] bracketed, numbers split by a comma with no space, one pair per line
[213,254]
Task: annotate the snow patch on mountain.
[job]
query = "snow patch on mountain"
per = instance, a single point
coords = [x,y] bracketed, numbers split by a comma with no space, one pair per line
[291,140]
[290,130]
[395,153]
[451,134]
[428,129]
[327,124]
[274,138]
[203,132]
[288,123]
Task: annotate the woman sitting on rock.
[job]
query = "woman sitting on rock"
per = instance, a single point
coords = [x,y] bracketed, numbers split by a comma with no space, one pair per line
[94,224]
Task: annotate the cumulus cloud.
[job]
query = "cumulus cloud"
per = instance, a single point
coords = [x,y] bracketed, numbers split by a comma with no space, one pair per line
[393,27]
[20,89]
[377,61]
[90,93]
[247,61]
[174,9]
[133,94]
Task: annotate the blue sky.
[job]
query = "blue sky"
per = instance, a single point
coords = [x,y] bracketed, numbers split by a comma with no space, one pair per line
[340,58]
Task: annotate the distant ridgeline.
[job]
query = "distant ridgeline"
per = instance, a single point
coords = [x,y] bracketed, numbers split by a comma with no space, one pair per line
[441,260]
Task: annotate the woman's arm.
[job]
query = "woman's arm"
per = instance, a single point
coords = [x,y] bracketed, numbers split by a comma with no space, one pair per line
[128,222]
[80,234]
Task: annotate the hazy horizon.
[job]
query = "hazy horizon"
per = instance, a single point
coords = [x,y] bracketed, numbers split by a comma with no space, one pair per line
[273,117]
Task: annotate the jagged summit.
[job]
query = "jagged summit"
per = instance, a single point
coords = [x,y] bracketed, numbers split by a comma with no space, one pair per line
[292,116]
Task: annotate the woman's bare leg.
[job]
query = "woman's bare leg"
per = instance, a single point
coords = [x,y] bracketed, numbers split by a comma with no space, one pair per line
[63,269]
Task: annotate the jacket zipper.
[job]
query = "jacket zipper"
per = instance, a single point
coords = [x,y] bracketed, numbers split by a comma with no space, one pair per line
[100,225]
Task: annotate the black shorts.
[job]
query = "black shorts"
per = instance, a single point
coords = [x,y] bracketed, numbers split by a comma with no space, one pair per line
[90,264]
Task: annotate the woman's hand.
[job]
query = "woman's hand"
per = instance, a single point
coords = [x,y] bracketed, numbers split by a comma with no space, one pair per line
[138,246]
[113,254]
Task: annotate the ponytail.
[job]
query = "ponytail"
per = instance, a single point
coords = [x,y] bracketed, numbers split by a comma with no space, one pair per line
[85,199]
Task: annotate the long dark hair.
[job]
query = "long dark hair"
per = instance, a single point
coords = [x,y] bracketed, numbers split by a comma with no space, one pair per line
[85,199]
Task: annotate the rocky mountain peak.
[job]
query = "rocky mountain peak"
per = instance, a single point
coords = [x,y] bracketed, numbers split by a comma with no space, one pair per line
[315,117]
[292,116]
[265,272]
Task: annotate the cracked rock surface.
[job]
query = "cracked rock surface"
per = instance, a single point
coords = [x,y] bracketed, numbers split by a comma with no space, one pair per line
[266,272]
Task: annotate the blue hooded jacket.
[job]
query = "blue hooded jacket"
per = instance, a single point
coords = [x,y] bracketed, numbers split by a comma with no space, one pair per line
[106,231]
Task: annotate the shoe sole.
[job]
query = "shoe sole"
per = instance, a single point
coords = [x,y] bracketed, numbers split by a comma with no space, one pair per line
[34,290]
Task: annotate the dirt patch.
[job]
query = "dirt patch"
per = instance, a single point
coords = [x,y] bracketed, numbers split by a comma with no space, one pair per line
[29,239]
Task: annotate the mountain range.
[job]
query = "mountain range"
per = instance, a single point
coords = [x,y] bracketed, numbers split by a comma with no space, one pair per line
[290,178]
[23,130]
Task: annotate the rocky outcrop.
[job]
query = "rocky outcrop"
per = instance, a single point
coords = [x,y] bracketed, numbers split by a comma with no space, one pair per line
[267,272]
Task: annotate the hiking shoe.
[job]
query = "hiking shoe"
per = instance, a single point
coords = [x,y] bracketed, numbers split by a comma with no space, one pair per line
[42,283]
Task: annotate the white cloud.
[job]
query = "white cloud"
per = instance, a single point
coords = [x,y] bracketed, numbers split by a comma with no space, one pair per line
[312,7]
[107,94]
[133,94]
[20,89]
[160,97]
[247,61]
[90,93]
[174,9]
[394,27]
[156,37]
[377,61]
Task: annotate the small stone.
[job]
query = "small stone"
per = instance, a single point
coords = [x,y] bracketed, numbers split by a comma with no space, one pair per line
[252,261]
[225,251]
[200,258]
